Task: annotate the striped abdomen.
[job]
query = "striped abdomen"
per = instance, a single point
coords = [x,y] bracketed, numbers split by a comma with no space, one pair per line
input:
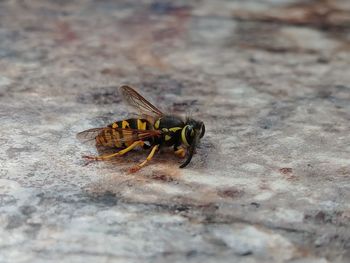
[121,138]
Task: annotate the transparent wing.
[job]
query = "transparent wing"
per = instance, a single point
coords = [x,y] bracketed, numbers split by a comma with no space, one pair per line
[134,99]
[116,134]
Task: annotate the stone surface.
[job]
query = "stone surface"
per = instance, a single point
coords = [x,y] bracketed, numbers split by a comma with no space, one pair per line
[271,180]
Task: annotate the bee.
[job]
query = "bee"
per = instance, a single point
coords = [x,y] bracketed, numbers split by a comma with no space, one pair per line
[153,130]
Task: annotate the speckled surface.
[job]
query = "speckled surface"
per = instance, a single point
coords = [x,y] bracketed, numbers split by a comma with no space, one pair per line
[271,180]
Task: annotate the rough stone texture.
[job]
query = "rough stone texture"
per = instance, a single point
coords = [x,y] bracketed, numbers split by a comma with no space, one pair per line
[271,180]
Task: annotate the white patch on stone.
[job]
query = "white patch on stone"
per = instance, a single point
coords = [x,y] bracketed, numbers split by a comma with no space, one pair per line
[308,38]
[253,167]
[264,196]
[289,215]
[262,244]
[4,81]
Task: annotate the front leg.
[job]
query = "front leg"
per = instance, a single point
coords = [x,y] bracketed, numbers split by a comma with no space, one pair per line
[179,151]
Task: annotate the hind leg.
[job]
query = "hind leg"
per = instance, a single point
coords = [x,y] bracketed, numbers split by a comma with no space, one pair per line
[121,152]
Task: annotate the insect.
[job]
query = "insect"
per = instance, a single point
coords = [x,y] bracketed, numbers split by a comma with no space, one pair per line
[153,130]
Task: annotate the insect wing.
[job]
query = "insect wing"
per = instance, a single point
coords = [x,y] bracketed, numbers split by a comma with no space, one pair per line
[120,135]
[137,101]
[88,136]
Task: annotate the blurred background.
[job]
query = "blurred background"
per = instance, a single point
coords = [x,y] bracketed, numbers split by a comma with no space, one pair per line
[271,179]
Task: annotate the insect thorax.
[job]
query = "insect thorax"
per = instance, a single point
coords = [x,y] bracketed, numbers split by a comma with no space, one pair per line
[171,127]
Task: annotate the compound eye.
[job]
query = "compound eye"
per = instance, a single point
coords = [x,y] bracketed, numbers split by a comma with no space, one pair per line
[202,131]
[186,135]
[189,134]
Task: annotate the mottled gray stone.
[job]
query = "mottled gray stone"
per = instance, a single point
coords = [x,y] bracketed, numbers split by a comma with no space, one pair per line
[271,180]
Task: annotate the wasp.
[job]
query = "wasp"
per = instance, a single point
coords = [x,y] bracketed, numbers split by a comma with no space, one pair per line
[153,130]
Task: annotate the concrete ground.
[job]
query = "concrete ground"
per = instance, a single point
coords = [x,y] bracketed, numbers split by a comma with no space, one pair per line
[271,179]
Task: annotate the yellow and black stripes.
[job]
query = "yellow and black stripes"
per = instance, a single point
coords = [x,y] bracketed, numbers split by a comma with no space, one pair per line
[171,128]
[122,134]
[157,123]
[170,133]
[184,137]
[108,138]
[157,130]
[141,124]
[187,134]
[122,138]
[136,124]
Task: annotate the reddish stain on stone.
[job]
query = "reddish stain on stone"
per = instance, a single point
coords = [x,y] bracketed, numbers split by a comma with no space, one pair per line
[286,170]
[230,193]
[66,32]
[264,185]
[320,216]
[162,177]
[166,175]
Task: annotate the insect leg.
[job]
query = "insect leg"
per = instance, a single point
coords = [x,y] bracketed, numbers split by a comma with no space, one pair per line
[124,151]
[149,157]
[180,153]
